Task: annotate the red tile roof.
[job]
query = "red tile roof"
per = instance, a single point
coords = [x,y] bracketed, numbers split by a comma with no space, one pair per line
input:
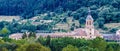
[80,32]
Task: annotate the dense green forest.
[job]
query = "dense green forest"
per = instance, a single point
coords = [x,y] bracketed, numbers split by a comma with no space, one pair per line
[105,10]
[57,44]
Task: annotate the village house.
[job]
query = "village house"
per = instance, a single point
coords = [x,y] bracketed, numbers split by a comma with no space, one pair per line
[9,18]
[112,37]
[16,36]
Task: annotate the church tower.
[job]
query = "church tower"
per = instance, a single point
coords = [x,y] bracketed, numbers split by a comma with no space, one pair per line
[89,27]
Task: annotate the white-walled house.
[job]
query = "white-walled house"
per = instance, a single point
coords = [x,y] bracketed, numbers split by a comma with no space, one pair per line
[9,18]
[16,36]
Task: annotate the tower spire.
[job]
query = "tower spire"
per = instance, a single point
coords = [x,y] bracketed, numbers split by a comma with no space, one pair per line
[89,17]
[89,11]
[89,24]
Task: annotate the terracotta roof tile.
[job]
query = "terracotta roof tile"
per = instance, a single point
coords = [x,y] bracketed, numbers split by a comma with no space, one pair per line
[80,32]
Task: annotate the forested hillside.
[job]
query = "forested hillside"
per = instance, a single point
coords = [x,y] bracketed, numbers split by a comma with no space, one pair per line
[107,9]
[103,11]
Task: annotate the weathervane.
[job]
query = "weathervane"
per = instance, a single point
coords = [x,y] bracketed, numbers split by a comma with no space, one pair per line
[89,11]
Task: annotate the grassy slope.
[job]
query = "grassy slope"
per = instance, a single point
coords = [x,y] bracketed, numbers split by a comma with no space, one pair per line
[110,26]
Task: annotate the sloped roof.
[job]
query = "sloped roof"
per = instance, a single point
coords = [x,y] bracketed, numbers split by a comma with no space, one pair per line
[56,34]
[89,17]
[80,32]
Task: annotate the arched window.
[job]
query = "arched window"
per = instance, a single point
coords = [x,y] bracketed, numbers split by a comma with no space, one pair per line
[90,33]
[90,36]
[87,23]
[90,22]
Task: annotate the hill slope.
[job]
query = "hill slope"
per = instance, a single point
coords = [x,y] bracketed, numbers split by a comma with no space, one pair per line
[103,11]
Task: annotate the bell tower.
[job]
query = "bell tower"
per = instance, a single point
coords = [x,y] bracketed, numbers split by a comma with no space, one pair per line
[89,27]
